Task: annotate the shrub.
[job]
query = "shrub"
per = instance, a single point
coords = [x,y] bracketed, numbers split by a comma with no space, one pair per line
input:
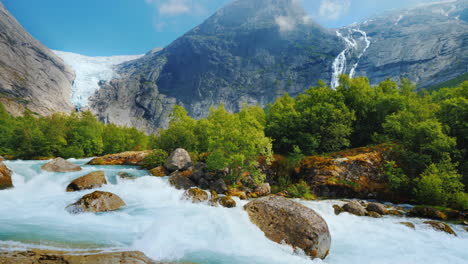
[300,190]
[155,159]
[397,180]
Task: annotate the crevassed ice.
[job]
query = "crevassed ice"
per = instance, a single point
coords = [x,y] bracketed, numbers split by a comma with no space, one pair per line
[89,71]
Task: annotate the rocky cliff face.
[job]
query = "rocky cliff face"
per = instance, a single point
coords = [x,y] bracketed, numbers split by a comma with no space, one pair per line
[251,51]
[30,74]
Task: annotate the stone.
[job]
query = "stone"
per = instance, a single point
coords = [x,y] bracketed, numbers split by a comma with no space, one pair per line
[377,207]
[227,201]
[263,189]
[200,171]
[427,212]
[219,186]
[213,198]
[159,171]
[178,160]
[126,175]
[196,195]
[439,226]
[60,165]
[91,180]
[180,181]
[133,158]
[284,220]
[354,207]
[236,192]
[374,214]
[395,212]
[5,177]
[408,224]
[95,202]
[338,209]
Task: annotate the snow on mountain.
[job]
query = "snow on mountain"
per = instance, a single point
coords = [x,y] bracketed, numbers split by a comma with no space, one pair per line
[89,71]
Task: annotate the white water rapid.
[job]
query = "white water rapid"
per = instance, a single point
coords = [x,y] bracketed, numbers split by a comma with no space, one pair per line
[89,71]
[157,222]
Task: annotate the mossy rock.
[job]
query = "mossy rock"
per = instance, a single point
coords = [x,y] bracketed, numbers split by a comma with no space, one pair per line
[197,195]
[439,226]
[408,224]
[227,201]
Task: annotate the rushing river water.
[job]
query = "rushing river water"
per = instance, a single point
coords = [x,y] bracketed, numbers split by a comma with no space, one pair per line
[157,222]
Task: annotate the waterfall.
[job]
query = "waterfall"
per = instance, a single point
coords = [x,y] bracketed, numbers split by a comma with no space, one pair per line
[352,72]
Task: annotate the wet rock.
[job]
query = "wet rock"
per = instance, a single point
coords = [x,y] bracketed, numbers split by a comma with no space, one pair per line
[377,207]
[38,256]
[124,158]
[338,209]
[283,220]
[181,181]
[395,212]
[200,171]
[427,212]
[219,186]
[227,201]
[60,165]
[236,192]
[5,177]
[439,226]
[465,223]
[213,198]
[159,171]
[374,214]
[126,176]
[263,189]
[197,195]
[91,180]
[408,224]
[97,201]
[178,160]
[354,207]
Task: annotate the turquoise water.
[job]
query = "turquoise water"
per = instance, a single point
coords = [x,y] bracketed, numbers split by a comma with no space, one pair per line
[159,223]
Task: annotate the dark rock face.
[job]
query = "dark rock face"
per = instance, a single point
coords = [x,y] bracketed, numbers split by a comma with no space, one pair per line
[89,181]
[285,220]
[31,75]
[5,177]
[96,202]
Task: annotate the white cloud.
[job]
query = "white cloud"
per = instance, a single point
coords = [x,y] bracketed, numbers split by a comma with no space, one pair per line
[333,9]
[285,23]
[174,7]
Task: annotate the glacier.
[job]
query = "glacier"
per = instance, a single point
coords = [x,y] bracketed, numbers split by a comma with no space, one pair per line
[89,71]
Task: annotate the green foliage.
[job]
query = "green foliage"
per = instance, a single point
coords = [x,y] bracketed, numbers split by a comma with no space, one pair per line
[156,158]
[395,176]
[300,190]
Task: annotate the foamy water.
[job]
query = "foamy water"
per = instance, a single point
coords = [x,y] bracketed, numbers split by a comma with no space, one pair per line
[159,223]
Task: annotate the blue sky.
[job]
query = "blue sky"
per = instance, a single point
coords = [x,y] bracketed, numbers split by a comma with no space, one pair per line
[124,27]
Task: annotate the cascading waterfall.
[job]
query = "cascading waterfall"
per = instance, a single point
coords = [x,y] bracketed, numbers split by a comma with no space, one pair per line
[352,72]
[165,227]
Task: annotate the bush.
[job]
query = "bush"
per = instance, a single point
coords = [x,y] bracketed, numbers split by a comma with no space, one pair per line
[300,190]
[72,152]
[460,201]
[155,159]
[397,180]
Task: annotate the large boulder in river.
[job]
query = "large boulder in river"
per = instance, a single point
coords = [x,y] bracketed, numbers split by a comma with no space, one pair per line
[178,160]
[5,177]
[377,208]
[96,202]
[227,201]
[125,158]
[439,226]
[196,195]
[355,208]
[60,165]
[91,180]
[427,212]
[284,220]
[39,256]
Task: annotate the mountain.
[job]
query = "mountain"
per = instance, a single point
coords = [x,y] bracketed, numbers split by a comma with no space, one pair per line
[250,51]
[31,75]
[427,44]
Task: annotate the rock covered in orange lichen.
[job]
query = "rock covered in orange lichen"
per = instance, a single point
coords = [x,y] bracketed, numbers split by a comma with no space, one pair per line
[5,176]
[124,158]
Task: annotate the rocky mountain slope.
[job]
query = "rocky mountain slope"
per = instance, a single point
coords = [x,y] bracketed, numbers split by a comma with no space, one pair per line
[252,51]
[30,74]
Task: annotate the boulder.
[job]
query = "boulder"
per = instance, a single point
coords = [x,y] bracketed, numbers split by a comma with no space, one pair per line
[227,201]
[200,171]
[178,160]
[5,177]
[125,158]
[219,186]
[213,198]
[338,209]
[159,171]
[96,202]
[263,189]
[427,212]
[283,220]
[374,214]
[395,212]
[354,207]
[197,195]
[91,180]
[126,175]
[181,182]
[236,192]
[439,226]
[377,207]
[60,165]
[465,223]
[40,256]
[408,224]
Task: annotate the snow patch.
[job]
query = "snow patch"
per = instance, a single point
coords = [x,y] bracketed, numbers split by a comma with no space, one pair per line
[89,71]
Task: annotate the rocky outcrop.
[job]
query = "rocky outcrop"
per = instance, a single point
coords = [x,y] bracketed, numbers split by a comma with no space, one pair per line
[31,75]
[89,181]
[227,201]
[60,165]
[124,158]
[427,212]
[196,195]
[39,256]
[355,208]
[178,160]
[96,202]
[283,220]
[5,176]
[439,226]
